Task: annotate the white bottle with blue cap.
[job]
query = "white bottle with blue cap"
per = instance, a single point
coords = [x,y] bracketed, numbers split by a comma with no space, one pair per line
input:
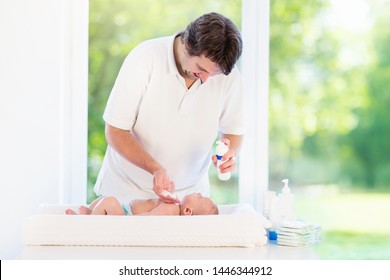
[221,149]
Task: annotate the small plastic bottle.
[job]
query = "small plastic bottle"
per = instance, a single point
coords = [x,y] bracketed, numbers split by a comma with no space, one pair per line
[274,216]
[221,149]
[268,197]
[286,203]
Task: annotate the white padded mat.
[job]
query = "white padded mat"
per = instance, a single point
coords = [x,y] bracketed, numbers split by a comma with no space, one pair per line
[237,225]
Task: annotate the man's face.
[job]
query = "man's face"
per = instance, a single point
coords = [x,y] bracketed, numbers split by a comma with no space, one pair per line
[201,67]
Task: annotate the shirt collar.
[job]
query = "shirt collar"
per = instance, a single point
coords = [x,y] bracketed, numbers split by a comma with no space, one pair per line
[172,69]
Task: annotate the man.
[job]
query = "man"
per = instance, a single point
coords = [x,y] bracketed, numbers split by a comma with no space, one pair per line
[170,99]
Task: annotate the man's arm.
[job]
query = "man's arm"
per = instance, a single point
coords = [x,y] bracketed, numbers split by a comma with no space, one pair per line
[124,143]
[235,143]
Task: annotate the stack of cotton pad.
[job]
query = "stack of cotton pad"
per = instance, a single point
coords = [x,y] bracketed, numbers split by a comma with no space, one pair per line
[298,233]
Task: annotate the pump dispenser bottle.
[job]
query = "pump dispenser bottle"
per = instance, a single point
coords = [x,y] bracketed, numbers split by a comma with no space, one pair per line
[221,149]
[286,203]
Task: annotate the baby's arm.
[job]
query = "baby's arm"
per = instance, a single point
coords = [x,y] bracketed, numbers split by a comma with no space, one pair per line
[162,209]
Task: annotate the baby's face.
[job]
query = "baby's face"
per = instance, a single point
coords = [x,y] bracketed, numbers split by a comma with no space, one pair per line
[199,204]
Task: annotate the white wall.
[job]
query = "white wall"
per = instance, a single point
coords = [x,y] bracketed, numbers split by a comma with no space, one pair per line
[40,56]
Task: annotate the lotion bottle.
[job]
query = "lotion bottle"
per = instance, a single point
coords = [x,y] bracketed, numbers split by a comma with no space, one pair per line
[286,203]
[221,149]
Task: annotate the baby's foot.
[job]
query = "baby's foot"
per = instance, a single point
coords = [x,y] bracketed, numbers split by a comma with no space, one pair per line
[70,212]
[84,210]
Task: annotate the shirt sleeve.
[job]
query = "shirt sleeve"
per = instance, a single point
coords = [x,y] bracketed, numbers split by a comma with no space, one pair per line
[232,120]
[127,93]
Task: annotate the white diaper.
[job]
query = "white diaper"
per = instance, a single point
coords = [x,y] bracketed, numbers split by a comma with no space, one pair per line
[127,208]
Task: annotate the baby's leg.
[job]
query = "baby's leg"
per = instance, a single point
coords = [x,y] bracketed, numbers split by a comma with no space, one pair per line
[84,210]
[108,206]
[70,212]
[88,210]
[95,202]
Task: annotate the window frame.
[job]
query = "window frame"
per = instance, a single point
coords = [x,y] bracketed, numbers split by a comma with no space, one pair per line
[73,114]
[254,165]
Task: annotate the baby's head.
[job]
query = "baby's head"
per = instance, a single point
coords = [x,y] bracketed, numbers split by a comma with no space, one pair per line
[196,204]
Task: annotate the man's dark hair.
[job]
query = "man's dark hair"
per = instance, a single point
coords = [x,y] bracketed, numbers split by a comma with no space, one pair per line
[216,37]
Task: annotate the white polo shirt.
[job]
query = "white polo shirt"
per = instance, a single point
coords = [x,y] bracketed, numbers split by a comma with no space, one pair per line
[176,125]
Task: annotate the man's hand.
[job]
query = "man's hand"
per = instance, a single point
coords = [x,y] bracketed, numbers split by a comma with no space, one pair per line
[161,182]
[229,157]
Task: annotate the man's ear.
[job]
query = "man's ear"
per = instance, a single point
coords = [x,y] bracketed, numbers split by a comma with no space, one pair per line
[187,211]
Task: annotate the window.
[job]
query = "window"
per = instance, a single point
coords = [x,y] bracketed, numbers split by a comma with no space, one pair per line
[118,26]
[329,68]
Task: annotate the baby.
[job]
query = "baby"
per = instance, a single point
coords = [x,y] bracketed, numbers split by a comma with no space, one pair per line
[192,204]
